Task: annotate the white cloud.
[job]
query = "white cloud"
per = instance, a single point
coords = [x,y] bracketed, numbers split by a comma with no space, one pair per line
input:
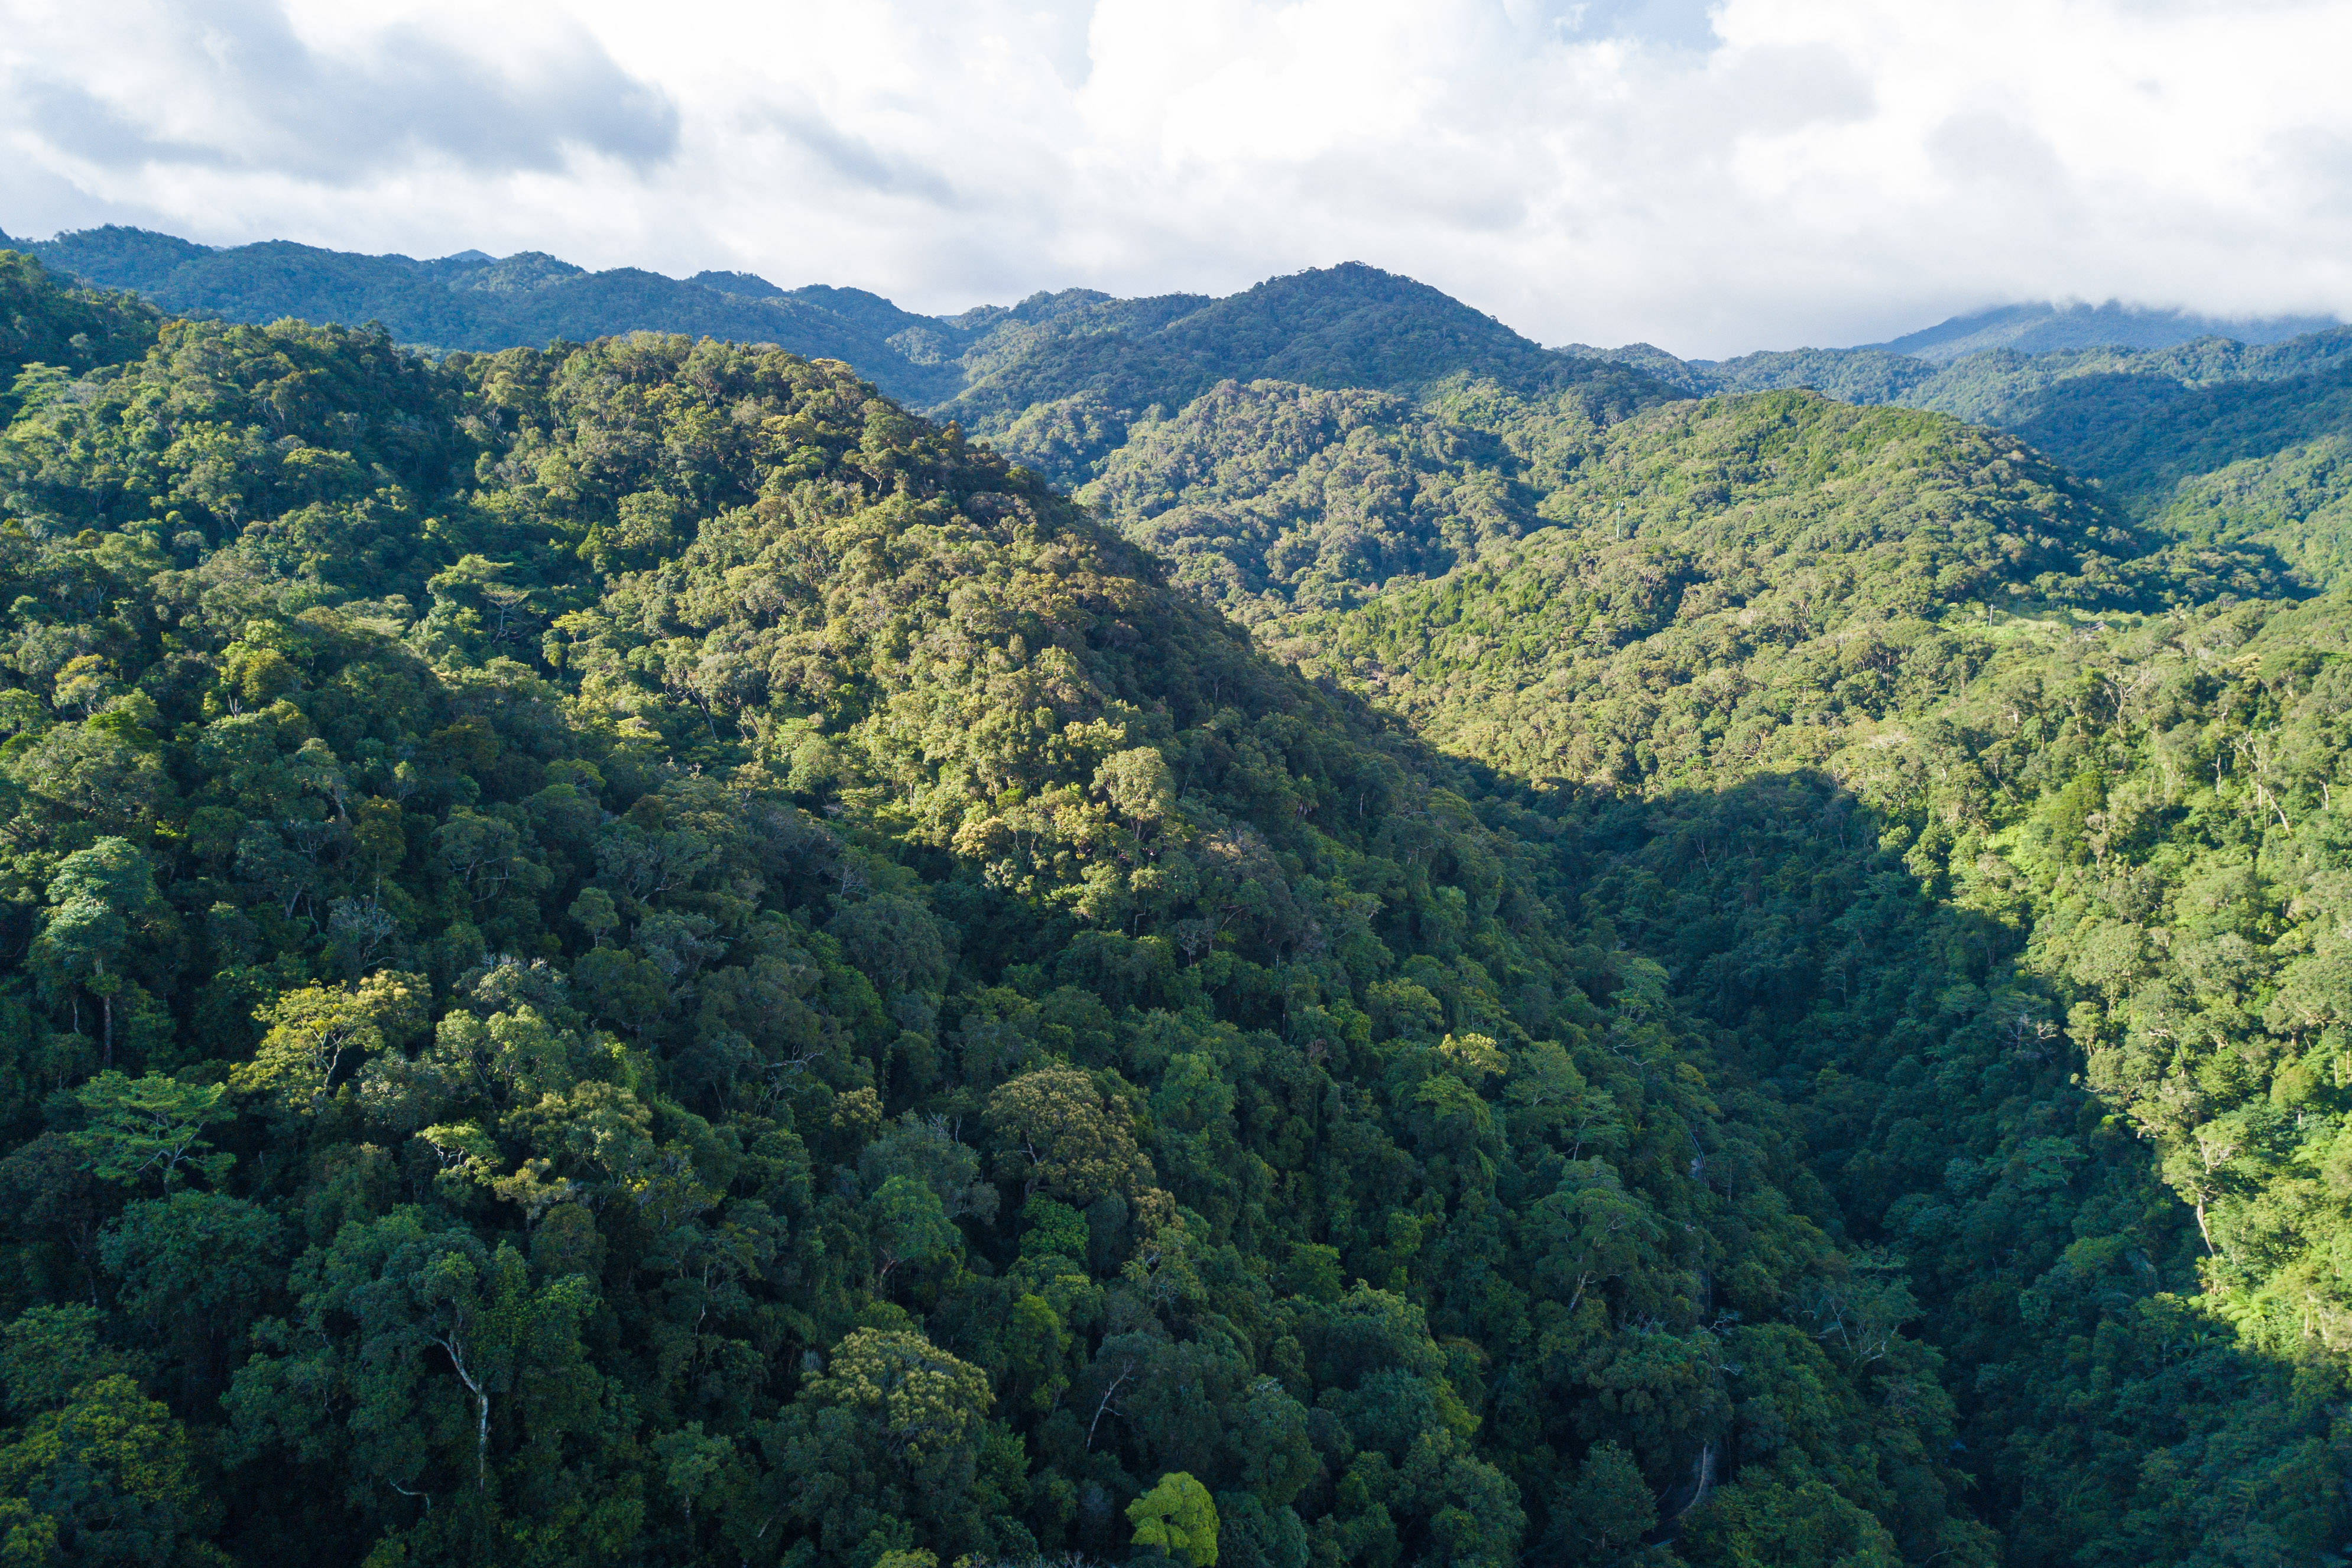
[1759,173]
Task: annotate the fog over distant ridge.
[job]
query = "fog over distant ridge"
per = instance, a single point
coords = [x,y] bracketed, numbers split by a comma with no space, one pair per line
[1711,178]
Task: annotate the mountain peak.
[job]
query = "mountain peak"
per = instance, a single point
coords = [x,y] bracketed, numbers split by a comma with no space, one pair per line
[749,285]
[116,256]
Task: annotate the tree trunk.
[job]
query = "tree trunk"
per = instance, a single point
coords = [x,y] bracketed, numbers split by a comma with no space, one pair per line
[482,1423]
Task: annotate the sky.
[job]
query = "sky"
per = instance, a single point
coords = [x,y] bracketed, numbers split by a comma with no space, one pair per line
[1713,178]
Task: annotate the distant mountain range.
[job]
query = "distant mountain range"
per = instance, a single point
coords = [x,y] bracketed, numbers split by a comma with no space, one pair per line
[1097,360]
[2043,328]
[2040,329]
[475,301]
[2159,407]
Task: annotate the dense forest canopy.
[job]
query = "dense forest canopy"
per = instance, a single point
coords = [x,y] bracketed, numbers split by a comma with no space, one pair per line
[629,953]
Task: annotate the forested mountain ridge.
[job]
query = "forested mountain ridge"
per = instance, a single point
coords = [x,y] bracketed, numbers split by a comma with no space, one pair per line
[1702,542]
[478,302]
[1272,498]
[1062,394]
[1054,378]
[632,954]
[2208,440]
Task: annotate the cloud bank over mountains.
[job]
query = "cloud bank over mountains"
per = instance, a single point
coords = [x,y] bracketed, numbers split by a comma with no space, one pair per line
[1714,178]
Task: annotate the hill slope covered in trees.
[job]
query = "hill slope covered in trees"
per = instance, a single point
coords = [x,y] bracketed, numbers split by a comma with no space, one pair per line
[631,953]
[2212,440]
[1992,829]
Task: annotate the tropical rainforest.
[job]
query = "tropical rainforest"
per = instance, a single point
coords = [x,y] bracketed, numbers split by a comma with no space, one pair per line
[1286,932]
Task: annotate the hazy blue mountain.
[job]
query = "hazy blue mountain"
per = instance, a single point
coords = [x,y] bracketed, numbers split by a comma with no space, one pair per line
[1850,375]
[118,257]
[1989,375]
[1971,365]
[2043,328]
[750,285]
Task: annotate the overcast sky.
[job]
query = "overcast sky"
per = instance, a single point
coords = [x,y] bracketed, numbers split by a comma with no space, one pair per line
[1713,178]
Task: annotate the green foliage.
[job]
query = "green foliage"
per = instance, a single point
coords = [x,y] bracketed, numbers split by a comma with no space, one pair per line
[51,332]
[150,1126]
[108,1477]
[1279,493]
[1607,1512]
[49,1352]
[102,901]
[1056,1134]
[1178,1518]
[315,1032]
[910,1224]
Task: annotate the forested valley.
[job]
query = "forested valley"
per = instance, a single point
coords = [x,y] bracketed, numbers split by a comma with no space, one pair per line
[629,953]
